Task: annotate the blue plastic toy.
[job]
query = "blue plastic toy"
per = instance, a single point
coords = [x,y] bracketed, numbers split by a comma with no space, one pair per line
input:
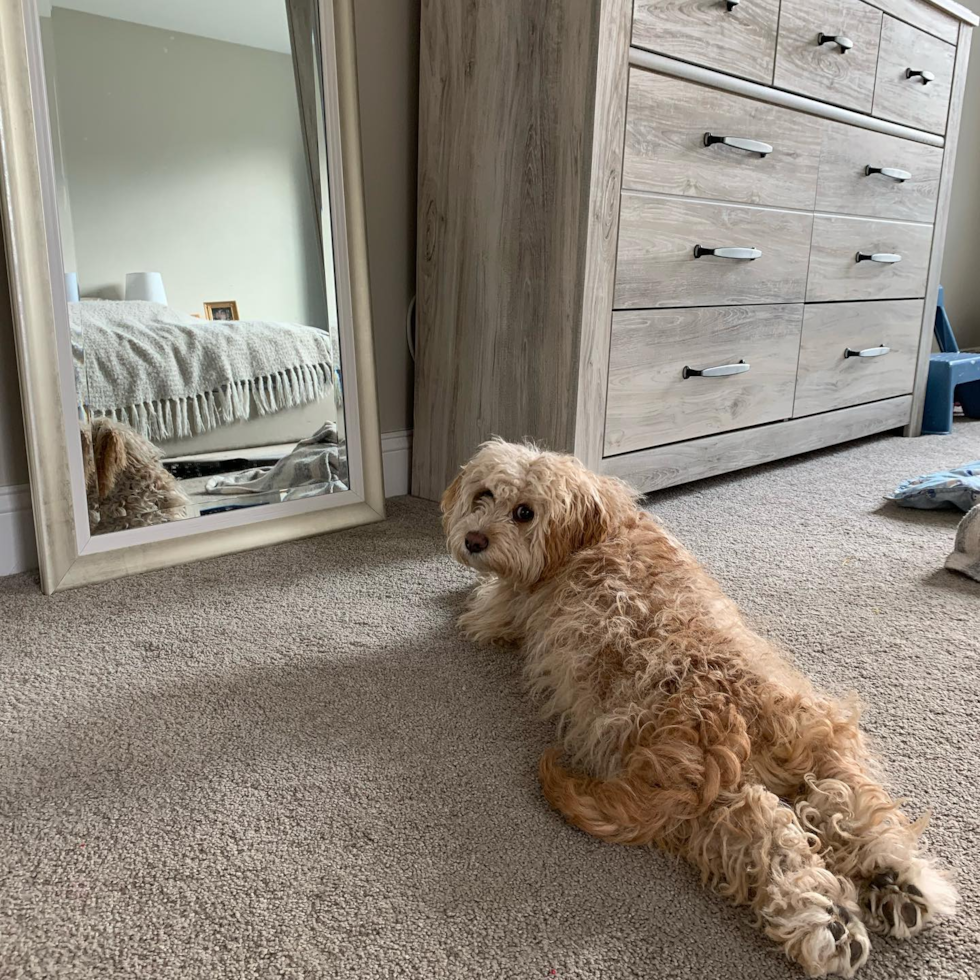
[954,375]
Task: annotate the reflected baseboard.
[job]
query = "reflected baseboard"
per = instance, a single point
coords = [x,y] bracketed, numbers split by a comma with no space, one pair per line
[18,550]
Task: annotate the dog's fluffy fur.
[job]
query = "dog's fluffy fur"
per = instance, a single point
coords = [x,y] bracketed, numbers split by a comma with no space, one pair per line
[126,484]
[681,726]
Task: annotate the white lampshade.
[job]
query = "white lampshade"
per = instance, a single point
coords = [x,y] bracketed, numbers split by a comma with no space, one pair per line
[145,285]
[71,286]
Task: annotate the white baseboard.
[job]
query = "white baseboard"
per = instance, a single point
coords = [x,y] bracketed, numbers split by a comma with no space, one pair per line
[396,454]
[18,551]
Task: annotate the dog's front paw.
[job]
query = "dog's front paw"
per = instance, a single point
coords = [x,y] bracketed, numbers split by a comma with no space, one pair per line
[824,939]
[903,903]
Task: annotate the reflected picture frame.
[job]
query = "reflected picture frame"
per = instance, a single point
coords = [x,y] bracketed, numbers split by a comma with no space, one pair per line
[69,554]
[221,310]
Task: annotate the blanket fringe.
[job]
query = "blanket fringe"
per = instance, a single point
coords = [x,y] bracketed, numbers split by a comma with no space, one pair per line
[181,418]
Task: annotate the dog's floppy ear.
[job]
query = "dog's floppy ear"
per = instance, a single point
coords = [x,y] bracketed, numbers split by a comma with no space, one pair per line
[110,458]
[451,495]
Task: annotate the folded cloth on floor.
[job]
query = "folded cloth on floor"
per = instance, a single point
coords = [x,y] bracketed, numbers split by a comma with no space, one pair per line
[959,488]
[966,552]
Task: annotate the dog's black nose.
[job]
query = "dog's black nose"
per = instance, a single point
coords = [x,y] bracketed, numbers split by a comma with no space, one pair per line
[476,542]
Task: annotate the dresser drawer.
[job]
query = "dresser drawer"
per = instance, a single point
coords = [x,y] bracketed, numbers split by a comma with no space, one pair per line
[901,95]
[651,402]
[836,274]
[672,133]
[656,263]
[741,41]
[844,183]
[833,375]
[824,71]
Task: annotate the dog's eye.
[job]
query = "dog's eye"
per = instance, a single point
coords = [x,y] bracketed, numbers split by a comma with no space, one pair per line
[523,514]
[483,494]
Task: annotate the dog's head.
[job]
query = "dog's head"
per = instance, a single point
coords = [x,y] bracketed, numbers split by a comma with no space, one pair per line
[520,513]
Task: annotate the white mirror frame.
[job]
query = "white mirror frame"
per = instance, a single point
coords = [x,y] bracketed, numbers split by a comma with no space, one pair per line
[68,553]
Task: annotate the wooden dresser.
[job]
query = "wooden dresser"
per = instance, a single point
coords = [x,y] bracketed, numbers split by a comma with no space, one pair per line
[679,237]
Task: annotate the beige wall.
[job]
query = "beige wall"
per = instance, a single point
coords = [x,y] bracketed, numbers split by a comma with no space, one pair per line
[184,155]
[961,272]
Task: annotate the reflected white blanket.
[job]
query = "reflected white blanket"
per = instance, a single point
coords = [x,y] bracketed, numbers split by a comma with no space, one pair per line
[170,375]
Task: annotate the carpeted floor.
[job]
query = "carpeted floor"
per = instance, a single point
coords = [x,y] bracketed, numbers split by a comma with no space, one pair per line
[286,764]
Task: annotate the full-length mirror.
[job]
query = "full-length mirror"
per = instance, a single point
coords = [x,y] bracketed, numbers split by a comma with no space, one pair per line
[199,182]
[189,162]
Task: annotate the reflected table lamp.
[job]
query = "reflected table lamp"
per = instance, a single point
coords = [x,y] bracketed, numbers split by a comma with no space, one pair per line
[145,286]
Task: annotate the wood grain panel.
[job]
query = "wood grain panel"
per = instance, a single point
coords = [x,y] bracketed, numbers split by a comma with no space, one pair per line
[651,403]
[682,462]
[666,122]
[922,15]
[821,70]
[908,100]
[835,275]
[656,266]
[740,42]
[844,186]
[942,219]
[828,380]
[505,105]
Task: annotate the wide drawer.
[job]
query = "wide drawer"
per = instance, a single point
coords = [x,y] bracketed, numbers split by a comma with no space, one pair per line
[836,274]
[654,398]
[674,130]
[834,374]
[902,93]
[656,264]
[740,41]
[863,172]
[825,71]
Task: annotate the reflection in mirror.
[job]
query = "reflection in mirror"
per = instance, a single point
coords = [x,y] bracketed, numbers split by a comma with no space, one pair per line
[192,190]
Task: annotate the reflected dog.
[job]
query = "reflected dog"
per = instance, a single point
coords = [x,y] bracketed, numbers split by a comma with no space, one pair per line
[126,484]
[680,726]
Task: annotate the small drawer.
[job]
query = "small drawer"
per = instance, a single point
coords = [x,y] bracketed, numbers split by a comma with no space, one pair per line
[674,130]
[833,372]
[842,73]
[915,77]
[863,172]
[654,398]
[836,273]
[662,259]
[740,40]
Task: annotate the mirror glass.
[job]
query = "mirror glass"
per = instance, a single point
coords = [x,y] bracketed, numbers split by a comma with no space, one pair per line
[191,176]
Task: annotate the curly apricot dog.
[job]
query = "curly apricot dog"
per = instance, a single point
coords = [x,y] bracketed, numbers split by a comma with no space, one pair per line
[683,728]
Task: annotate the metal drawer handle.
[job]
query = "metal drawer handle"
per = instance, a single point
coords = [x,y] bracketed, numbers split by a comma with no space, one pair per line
[926,76]
[844,43]
[867,352]
[727,253]
[739,143]
[719,371]
[732,4]
[892,172]
[886,258]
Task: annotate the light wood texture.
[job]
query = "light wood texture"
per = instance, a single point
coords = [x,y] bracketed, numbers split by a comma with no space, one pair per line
[828,380]
[822,71]
[650,403]
[908,100]
[942,218]
[655,469]
[656,266]
[957,10]
[69,556]
[741,42]
[505,116]
[775,96]
[835,275]
[602,226]
[844,186]
[666,121]
[922,15]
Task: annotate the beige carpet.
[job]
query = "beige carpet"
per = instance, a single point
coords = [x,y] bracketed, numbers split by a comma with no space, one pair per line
[285,764]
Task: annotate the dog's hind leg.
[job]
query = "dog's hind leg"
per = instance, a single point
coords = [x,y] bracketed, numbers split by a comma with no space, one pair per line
[749,846]
[867,837]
